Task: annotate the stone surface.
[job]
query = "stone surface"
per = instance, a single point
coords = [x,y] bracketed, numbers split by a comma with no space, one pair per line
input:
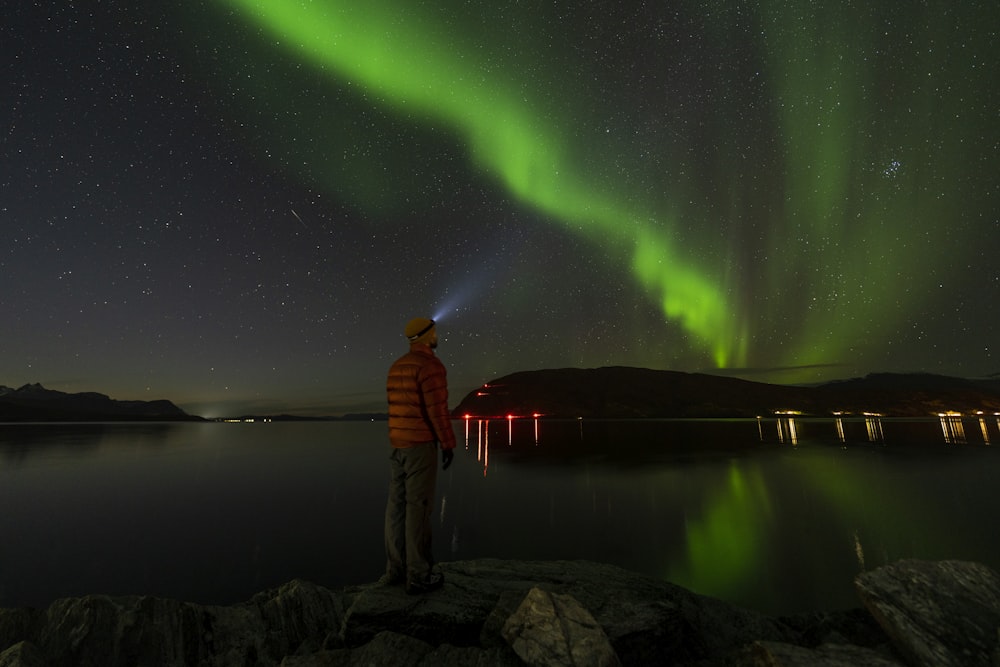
[23,654]
[943,613]
[646,621]
[549,629]
[776,654]
[132,630]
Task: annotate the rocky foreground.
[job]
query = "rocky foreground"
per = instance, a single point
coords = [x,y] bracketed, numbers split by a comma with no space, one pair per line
[493,612]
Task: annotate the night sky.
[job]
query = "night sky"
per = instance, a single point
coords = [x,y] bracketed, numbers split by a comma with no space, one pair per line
[237,205]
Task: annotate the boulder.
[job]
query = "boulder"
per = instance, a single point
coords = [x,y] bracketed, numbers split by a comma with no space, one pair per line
[136,630]
[647,620]
[550,629]
[776,654]
[23,654]
[935,613]
[943,613]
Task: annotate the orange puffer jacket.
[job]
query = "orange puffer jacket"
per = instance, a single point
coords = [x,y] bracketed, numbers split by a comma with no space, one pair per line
[417,389]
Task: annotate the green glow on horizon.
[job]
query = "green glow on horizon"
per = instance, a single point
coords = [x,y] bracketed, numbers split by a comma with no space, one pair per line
[410,65]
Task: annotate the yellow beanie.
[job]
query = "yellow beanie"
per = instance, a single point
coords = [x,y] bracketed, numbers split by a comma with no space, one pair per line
[417,328]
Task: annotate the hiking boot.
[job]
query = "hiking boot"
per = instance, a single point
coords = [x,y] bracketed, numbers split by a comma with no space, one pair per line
[431,582]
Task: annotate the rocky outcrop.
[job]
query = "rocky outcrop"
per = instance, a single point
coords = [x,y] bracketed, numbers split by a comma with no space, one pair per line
[937,613]
[553,629]
[494,612]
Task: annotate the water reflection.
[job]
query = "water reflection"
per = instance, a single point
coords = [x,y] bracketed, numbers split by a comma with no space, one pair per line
[953,429]
[484,445]
[482,436]
[726,506]
[859,551]
[519,434]
[946,428]
[984,426]
[727,537]
[787,432]
[21,441]
[873,423]
[873,428]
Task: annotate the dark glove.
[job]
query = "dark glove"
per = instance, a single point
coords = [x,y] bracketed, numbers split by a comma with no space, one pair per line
[446,456]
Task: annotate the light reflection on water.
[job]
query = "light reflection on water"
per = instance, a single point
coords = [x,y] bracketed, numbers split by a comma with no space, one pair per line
[745,522]
[777,514]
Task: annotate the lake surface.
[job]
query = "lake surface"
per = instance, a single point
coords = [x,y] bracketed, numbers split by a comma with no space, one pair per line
[774,514]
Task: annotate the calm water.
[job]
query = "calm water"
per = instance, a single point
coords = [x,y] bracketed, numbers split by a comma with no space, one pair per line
[777,515]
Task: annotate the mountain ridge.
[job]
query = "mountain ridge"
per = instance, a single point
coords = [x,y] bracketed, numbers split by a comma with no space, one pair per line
[33,402]
[614,392]
[623,392]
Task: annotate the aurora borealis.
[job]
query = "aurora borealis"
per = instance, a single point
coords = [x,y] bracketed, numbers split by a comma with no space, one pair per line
[237,204]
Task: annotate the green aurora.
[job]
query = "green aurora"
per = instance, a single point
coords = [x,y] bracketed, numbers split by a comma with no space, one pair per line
[798,230]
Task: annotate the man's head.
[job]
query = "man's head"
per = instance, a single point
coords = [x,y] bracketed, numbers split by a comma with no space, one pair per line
[421,330]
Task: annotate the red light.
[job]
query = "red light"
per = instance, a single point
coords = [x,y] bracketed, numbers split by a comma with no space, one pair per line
[468,416]
[510,416]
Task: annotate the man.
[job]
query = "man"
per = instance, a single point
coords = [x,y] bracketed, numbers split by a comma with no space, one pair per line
[417,390]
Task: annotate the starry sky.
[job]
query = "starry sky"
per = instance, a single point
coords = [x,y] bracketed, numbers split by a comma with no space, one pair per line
[237,205]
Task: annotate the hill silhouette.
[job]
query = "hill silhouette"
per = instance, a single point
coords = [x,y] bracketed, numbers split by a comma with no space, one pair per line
[640,393]
[33,402]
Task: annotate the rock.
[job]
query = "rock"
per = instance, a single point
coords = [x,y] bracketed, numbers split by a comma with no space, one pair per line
[776,654]
[648,621]
[23,654]
[299,616]
[130,630]
[937,613]
[16,623]
[549,629]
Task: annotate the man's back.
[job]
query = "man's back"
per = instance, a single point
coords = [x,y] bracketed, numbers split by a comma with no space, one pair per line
[417,392]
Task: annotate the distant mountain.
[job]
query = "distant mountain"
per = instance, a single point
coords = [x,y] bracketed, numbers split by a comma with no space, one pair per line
[350,417]
[33,402]
[637,393]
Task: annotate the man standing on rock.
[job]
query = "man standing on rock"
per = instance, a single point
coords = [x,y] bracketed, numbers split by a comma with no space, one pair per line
[417,390]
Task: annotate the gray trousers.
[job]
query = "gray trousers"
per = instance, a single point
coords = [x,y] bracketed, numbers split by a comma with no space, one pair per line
[412,474]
